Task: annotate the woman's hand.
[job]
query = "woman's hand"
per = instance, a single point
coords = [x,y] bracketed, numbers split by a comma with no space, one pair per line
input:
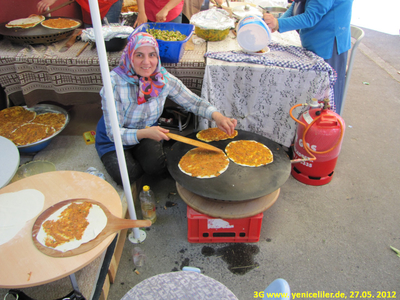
[271,21]
[225,124]
[161,16]
[156,133]
[141,18]
[44,5]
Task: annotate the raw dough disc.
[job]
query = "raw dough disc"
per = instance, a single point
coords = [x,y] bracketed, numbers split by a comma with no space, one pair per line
[16,209]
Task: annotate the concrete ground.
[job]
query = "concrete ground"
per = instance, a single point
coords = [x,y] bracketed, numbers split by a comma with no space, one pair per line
[329,238]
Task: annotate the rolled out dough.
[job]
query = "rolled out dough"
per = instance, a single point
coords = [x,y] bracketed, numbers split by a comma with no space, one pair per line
[16,209]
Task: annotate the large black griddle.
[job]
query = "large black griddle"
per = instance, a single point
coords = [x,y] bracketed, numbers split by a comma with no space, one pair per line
[237,183]
[38,34]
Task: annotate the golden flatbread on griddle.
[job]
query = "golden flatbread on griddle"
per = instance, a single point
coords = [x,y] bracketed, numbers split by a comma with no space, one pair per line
[55,120]
[249,153]
[214,134]
[30,133]
[60,23]
[29,22]
[203,163]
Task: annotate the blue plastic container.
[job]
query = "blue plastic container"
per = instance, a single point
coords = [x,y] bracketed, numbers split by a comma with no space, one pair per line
[170,52]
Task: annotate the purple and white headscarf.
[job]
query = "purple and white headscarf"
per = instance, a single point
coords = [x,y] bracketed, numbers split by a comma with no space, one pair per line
[148,86]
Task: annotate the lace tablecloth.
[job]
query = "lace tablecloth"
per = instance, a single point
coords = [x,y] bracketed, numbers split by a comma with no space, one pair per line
[31,74]
[182,285]
[259,90]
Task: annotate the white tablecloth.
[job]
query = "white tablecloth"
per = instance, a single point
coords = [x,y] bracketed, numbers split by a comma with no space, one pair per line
[260,96]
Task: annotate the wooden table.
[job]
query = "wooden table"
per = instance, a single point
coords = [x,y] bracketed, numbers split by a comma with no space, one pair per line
[25,266]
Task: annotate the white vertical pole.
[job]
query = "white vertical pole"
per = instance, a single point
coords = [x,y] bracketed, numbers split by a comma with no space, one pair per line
[105,75]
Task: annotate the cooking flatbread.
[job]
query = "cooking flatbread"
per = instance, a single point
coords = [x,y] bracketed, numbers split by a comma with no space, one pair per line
[30,133]
[16,114]
[203,163]
[249,153]
[23,126]
[29,22]
[61,23]
[214,134]
[72,225]
[13,117]
[55,120]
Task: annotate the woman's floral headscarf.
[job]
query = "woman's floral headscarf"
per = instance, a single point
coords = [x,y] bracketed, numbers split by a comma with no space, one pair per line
[148,86]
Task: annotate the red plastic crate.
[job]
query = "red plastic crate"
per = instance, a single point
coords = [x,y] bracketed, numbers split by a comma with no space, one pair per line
[206,229]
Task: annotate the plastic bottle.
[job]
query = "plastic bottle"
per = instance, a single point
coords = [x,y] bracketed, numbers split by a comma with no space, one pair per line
[148,204]
[138,256]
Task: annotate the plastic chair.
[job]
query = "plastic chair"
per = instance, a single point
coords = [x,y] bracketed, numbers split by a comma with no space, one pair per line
[357,34]
[278,289]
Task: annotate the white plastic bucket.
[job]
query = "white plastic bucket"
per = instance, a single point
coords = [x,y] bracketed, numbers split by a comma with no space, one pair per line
[253,34]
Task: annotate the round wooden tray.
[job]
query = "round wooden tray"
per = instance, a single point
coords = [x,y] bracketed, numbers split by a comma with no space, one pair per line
[227,209]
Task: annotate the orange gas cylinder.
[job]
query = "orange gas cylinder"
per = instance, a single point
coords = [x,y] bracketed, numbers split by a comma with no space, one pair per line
[317,145]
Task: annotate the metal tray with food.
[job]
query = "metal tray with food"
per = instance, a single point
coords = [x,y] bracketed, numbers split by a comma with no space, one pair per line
[41,109]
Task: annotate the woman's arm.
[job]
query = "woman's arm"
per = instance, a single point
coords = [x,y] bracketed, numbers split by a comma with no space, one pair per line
[193,103]
[225,124]
[156,133]
[161,16]
[314,12]
[142,17]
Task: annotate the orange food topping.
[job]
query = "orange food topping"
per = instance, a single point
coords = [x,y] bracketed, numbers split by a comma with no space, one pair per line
[69,226]
[60,23]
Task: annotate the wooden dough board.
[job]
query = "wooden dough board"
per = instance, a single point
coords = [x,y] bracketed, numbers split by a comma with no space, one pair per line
[227,209]
[114,224]
[25,265]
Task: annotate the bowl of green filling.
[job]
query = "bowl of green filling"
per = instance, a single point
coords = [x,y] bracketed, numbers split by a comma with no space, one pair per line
[171,38]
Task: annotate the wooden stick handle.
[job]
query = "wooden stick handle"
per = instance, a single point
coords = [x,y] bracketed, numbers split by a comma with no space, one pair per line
[57,8]
[83,48]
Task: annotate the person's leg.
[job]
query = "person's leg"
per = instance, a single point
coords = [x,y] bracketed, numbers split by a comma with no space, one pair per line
[339,64]
[114,12]
[150,154]
[110,162]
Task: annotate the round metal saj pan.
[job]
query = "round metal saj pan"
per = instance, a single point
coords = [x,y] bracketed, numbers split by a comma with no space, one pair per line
[237,183]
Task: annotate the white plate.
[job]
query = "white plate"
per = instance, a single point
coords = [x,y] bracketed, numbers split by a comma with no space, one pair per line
[266,50]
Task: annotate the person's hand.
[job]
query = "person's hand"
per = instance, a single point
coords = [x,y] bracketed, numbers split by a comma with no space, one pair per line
[141,18]
[271,21]
[224,123]
[44,5]
[156,133]
[161,16]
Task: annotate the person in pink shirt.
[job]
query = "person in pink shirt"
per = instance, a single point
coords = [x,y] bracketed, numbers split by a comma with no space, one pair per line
[159,11]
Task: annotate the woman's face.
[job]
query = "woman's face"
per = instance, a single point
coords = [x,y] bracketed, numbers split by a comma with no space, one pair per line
[145,61]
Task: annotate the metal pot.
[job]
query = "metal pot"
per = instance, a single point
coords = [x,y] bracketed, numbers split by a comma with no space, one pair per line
[116,44]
